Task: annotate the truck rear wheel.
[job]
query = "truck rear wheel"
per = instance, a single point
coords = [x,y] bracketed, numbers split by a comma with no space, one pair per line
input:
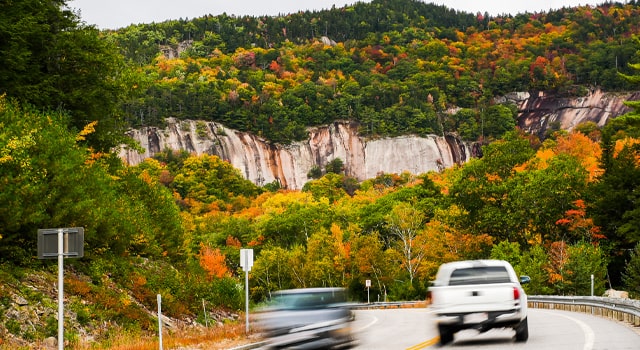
[446,335]
[522,331]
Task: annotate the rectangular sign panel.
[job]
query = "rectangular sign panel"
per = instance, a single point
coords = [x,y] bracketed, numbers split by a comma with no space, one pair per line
[73,238]
[246,259]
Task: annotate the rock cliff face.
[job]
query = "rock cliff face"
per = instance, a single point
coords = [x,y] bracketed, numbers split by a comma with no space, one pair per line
[262,162]
[539,112]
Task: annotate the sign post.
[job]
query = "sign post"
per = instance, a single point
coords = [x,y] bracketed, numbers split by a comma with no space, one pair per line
[246,261]
[368,284]
[60,243]
[160,321]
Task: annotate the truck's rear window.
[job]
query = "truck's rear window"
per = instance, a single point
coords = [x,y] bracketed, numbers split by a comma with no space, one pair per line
[479,275]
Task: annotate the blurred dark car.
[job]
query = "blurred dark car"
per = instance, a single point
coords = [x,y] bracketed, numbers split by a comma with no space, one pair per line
[309,318]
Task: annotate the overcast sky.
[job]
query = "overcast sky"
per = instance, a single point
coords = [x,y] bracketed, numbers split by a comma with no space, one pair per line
[112,14]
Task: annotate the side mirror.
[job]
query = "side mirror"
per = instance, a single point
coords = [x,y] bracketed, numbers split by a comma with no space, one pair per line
[525,279]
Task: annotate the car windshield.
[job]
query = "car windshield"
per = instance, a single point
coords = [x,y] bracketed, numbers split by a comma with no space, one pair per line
[308,300]
[479,275]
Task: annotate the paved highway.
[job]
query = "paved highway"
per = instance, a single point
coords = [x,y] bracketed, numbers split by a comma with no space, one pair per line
[414,329]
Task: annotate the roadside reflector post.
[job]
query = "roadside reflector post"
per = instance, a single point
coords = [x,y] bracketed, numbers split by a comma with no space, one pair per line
[60,289]
[160,321]
[246,261]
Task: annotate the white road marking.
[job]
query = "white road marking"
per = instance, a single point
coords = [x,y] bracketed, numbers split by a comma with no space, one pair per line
[589,335]
[375,319]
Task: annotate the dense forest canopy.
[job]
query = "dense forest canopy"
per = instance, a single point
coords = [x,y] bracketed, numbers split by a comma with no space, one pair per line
[560,209]
[396,66]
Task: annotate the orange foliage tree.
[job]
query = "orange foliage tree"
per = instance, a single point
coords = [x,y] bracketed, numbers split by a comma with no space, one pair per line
[213,262]
[578,224]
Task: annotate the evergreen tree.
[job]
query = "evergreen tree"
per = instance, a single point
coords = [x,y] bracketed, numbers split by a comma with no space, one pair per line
[631,275]
[52,61]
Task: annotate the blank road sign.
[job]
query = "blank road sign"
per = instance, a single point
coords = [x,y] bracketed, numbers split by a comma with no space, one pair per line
[246,259]
[73,239]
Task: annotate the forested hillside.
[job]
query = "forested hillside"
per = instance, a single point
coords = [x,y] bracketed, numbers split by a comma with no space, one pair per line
[395,66]
[560,209]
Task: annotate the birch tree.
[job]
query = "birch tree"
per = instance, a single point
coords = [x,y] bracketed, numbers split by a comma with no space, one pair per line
[404,224]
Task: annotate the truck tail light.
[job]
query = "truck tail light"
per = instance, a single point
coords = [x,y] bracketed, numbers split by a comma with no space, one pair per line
[516,293]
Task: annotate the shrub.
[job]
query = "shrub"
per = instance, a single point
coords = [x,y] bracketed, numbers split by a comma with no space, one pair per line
[201,129]
[13,326]
[631,276]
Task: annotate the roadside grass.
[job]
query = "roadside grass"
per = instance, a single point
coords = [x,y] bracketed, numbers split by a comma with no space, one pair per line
[225,336]
[220,337]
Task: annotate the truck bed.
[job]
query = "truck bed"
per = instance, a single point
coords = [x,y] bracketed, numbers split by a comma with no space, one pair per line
[474,298]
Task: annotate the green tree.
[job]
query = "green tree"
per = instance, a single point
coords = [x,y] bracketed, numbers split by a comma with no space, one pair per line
[24,179]
[321,268]
[46,177]
[208,179]
[631,275]
[293,222]
[585,259]
[617,205]
[508,251]
[370,263]
[314,173]
[482,187]
[271,272]
[335,166]
[535,264]
[161,232]
[615,194]
[497,120]
[537,198]
[49,59]
[330,187]
[50,180]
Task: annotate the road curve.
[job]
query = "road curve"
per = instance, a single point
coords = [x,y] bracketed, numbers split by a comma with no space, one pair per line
[414,329]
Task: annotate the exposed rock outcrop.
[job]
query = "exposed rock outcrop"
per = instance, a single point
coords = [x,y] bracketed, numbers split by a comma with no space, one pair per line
[540,111]
[171,52]
[262,162]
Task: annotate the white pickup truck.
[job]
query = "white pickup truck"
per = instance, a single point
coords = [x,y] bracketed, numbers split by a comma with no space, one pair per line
[481,295]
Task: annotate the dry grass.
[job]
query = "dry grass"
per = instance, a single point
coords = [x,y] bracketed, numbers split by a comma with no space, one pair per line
[221,337]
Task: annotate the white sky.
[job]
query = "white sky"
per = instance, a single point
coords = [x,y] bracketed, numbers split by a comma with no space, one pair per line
[112,14]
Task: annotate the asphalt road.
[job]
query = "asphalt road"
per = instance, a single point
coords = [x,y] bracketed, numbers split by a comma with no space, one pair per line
[414,329]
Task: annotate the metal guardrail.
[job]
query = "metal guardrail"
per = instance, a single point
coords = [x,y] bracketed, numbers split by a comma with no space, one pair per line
[608,307]
[625,310]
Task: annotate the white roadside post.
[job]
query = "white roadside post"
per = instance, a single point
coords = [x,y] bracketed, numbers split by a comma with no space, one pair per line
[246,261]
[160,320]
[60,289]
